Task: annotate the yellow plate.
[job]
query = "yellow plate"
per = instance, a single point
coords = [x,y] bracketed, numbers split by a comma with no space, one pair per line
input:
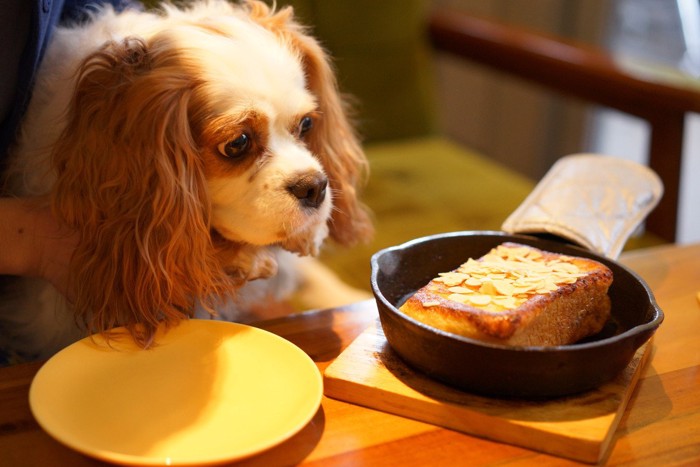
[208,392]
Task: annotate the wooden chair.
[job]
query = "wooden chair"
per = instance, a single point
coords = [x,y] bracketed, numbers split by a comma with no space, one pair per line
[583,72]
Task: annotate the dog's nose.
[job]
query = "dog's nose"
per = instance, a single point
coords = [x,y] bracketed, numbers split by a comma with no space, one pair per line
[310,189]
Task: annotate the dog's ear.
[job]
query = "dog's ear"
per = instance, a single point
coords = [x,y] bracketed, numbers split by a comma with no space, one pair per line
[333,138]
[130,182]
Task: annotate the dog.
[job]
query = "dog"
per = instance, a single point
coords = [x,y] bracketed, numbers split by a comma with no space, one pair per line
[202,154]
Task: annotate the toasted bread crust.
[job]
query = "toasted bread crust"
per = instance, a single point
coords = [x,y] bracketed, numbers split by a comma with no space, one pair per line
[571,306]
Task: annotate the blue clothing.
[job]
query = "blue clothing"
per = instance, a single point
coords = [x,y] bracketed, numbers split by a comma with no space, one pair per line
[41,17]
[45,15]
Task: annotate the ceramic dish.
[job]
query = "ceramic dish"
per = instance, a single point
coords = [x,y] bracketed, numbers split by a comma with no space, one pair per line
[208,392]
[498,370]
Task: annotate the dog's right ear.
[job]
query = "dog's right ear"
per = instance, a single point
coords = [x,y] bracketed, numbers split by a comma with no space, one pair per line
[129,179]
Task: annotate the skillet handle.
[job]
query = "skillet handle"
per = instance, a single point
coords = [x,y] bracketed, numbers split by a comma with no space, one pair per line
[591,200]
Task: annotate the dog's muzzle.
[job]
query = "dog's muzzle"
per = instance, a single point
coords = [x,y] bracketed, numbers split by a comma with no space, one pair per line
[309,189]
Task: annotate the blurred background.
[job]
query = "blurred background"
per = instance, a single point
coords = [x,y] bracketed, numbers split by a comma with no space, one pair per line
[404,90]
[528,129]
[453,145]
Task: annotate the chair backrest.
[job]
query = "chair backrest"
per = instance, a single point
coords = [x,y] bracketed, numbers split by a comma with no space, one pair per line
[382,58]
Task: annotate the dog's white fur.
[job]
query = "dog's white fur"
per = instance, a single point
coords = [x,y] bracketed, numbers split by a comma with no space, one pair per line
[245,70]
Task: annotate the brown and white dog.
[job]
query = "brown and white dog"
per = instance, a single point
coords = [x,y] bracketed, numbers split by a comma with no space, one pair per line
[192,150]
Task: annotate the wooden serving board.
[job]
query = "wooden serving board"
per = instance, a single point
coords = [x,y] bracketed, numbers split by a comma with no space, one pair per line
[580,427]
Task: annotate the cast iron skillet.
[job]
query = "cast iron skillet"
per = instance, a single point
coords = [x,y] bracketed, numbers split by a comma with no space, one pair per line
[498,370]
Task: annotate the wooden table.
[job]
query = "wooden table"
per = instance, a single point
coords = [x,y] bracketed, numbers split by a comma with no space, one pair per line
[661,425]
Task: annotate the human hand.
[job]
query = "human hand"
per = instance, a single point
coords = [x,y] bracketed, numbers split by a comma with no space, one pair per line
[34,243]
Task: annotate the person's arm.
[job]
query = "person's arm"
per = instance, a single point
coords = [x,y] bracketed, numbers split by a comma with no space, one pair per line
[32,242]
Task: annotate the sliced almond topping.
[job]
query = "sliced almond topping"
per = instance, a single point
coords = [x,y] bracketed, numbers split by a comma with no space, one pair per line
[461,290]
[507,276]
[459,298]
[504,287]
[451,279]
[487,288]
[478,299]
[473,282]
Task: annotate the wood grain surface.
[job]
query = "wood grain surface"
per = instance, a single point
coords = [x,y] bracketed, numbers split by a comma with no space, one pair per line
[579,427]
[660,425]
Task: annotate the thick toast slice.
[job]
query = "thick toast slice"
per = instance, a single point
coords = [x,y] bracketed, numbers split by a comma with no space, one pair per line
[517,295]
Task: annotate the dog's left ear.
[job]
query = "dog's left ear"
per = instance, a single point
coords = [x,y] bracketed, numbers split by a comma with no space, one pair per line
[130,181]
[333,138]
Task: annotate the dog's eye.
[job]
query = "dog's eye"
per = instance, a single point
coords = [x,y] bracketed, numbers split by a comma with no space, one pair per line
[305,125]
[236,148]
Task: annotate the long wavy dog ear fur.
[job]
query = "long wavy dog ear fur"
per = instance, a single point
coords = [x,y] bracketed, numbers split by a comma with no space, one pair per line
[130,182]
